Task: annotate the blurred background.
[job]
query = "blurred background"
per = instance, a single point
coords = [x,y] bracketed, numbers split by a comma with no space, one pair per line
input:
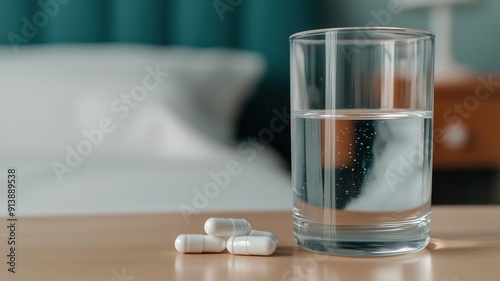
[212,36]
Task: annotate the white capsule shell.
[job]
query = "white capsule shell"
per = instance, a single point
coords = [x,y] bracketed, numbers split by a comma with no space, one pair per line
[199,243]
[263,233]
[251,245]
[227,227]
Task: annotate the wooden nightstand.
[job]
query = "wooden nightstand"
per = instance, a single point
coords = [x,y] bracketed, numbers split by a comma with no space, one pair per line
[467,123]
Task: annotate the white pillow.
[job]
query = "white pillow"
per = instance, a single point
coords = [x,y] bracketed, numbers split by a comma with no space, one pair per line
[52,93]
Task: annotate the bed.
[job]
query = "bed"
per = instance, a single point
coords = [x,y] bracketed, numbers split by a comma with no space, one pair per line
[103,128]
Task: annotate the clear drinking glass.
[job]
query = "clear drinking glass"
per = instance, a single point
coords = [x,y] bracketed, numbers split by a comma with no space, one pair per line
[362,107]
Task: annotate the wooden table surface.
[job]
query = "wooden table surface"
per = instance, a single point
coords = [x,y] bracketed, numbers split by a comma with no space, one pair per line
[465,245]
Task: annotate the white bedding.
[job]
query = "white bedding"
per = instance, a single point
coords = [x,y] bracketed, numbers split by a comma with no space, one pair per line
[130,185]
[157,157]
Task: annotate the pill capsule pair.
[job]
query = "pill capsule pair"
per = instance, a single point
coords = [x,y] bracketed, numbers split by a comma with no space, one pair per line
[242,239]
[238,245]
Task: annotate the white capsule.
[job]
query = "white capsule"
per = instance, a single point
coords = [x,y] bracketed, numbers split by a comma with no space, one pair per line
[251,245]
[227,227]
[264,233]
[199,243]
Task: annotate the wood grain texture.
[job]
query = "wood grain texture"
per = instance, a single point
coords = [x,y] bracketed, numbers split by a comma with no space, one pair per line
[465,246]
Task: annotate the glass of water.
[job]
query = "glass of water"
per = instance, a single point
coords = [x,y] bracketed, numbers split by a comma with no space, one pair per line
[362,107]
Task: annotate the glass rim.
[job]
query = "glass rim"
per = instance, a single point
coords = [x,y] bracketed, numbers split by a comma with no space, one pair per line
[411,33]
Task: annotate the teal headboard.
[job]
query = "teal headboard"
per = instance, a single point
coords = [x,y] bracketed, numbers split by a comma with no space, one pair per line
[259,25]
